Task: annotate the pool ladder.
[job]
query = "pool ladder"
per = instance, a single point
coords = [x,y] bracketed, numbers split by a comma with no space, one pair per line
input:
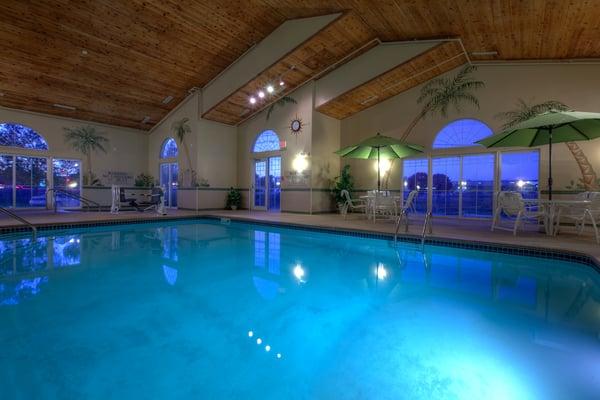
[21,220]
[427,226]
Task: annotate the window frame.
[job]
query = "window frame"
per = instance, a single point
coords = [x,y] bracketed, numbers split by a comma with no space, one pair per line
[464,147]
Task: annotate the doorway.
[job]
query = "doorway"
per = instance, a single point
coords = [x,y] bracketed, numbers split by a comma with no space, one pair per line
[169,175]
[267,184]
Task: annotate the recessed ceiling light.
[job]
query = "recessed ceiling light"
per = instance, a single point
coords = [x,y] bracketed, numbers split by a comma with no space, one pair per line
[167,99]
[281,83]
[146,120]
[84,52]
[252,100]
[63,106]
[270,89]
[261,94]
[484,53]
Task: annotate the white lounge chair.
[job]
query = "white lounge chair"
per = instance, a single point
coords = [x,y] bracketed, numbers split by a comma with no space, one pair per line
[352,205]
[592,213]
[514,207]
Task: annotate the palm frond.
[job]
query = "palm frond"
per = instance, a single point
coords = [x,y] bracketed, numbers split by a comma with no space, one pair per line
[85,139]
[439,94]
[280,103]
[524,111]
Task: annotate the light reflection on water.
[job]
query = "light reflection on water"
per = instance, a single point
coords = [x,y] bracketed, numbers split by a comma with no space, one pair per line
[218,311]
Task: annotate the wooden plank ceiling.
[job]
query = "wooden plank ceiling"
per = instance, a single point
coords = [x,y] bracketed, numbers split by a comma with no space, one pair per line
[347,35]
[436,61]
[141,51]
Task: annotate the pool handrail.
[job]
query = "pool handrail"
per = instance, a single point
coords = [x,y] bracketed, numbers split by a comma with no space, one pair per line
[21,220]
[82,199]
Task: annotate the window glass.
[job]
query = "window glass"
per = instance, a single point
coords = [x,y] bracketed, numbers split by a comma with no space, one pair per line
[415,178]
[169,149]
[445,185]
[30,183]
[461,133]
[6,180]
[66,177]
[477,185]
[520,172]
[16,135]
[266,141]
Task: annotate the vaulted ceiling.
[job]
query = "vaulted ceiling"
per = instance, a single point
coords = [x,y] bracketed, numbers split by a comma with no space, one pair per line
[115,61]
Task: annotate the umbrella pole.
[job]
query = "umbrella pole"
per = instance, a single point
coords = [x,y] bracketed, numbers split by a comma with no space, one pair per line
[550,165]
[378,173]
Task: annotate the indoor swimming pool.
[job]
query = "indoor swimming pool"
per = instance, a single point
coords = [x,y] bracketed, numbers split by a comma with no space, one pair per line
[205,309]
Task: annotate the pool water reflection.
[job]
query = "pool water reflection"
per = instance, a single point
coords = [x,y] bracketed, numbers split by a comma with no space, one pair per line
[205,310]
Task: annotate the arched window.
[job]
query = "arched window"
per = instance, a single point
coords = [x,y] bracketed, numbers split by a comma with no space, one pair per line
[266,141]
[16,135]
[461,133]
[169,148]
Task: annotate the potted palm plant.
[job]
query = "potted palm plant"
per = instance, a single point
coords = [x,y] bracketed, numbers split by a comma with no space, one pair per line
[234,199]
[342,182]
[86,140]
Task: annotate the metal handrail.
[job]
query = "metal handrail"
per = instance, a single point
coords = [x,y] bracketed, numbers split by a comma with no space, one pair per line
[87,202]
[21,220]
[426,224]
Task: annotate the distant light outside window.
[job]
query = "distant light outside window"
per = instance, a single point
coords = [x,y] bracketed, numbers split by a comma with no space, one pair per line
[520,172]
[266,141]
[169,149]
[461,133]
[16,135]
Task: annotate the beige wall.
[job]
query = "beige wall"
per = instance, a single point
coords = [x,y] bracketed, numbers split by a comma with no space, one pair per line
[575,85]
[127,150]
[295,196]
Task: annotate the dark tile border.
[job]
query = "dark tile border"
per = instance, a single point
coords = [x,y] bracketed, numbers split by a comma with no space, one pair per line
[529,251]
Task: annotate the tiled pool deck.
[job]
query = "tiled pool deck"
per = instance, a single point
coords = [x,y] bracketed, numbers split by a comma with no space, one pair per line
[476,232]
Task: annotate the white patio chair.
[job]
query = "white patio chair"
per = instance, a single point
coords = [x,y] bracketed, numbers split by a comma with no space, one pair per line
[514,207]
[592,213]
[408,208]
[574,213]
[352,205]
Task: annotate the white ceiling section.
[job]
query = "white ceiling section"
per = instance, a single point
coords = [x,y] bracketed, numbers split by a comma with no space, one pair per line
[368,66]
[281,41]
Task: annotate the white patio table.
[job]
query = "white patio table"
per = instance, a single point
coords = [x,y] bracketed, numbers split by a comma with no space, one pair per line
[551,208]
[372,204]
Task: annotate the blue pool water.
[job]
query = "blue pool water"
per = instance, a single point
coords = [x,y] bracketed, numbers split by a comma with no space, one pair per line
[204,310]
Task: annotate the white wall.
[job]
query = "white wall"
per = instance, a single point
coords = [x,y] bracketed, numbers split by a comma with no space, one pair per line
[127,150]
[295,195]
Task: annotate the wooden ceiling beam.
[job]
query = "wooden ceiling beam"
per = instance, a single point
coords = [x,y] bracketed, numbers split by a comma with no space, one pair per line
[425,66]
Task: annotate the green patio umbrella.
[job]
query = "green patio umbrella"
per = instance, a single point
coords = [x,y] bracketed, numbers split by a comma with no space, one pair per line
[380,146]
[547,128]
